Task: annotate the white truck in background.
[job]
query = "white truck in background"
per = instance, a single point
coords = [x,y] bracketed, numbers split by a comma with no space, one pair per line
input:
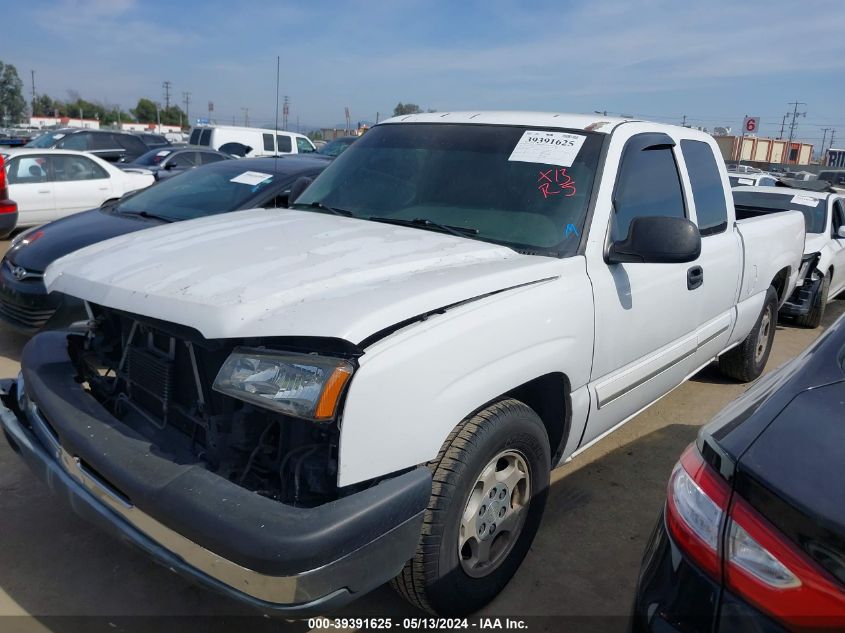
[296,406]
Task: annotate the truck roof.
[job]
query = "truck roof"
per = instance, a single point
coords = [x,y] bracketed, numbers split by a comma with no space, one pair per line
[586,122]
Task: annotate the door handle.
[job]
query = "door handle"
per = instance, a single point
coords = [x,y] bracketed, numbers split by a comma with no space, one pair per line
[695,277]
[43,191]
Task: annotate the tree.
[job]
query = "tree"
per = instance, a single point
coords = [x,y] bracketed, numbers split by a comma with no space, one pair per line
[12,104]
[173,116]
[315,135]
[145,111]
[44,105]
[406,108]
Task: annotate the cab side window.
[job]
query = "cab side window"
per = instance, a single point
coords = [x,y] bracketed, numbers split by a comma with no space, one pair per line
[648,183]
[303,146]
[707,189]
[268,142]
[838,218]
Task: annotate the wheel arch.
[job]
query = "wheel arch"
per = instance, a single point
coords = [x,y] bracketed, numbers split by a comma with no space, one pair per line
[549,396]
[781,283]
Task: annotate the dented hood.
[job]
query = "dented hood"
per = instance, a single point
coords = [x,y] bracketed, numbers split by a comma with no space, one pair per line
[289,273]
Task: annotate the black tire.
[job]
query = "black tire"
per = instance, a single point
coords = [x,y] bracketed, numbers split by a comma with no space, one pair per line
[434,580]
[814,317]
[743,362]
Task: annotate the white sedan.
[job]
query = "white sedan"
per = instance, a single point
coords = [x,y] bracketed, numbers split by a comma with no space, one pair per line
[48,184]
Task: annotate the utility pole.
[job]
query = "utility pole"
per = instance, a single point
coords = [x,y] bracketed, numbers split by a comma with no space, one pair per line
[186,99]
[285,112]
[377,118]
[684,121]
[166,85]
[824,137]
[792,125]
[782,125]
[832,135]
[158,116]
[33,92]
[346,110]
[246,116]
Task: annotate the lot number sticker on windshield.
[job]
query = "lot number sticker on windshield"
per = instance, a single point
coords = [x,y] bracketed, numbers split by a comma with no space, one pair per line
[251,178]
[745,181]
[547,148]
[806,201]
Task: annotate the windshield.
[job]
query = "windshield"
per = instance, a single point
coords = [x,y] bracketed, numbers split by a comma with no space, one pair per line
[527,189]
[45,140]
[750,204]
[198,193]
[335,148]
[153,157]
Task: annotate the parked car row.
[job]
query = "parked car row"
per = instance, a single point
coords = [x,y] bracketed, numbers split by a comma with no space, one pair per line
[49,184]
[216,188]
[272,353]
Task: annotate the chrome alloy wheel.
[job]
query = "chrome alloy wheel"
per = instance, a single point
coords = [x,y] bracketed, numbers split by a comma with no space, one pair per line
[494,513]
[763,336]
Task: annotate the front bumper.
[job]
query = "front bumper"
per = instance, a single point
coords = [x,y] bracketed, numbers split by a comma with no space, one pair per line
[292,561]
[675,596]
[8,222]
[802,299]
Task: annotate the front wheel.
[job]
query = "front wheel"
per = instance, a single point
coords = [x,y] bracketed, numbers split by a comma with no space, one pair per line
[489,489]
[746,361]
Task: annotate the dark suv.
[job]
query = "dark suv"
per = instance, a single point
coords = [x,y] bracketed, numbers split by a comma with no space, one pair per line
[115,147]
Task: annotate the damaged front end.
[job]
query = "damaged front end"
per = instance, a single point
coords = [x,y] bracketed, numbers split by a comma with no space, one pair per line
[163,381]
[809,283]
[188,448]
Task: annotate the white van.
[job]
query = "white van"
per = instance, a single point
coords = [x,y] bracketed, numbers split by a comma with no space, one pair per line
[250,141]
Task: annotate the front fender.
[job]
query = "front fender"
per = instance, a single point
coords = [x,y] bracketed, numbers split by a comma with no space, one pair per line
[414,386]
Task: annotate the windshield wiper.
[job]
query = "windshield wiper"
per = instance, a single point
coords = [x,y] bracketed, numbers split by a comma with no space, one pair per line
[152,216]
[335,210]
[460,231]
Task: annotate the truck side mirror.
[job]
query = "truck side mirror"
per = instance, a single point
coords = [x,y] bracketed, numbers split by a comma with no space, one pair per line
[840,232]
[657,240]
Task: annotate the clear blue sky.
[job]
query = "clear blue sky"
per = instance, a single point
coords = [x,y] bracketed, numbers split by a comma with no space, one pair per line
[713,61]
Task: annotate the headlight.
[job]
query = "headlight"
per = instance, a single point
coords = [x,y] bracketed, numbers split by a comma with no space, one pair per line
[808,263]
[26,237]
[301,385]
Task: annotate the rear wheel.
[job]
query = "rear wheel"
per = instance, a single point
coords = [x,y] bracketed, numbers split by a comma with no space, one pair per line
[489,489]
[746,361]
[814,317]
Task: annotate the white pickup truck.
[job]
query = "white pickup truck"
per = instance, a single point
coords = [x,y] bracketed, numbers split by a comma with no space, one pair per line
[294,406]
[822,274]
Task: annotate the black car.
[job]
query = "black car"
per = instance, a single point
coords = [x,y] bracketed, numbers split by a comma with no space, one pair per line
[166,162]
[226,186]
[335,148]
[115,147]
[752,536]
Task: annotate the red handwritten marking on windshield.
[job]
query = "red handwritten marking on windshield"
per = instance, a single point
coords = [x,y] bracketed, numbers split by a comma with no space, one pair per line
[556,181]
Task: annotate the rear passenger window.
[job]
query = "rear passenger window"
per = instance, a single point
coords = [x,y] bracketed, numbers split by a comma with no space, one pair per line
[648,185]
[707,189]
[205,137]
[195,136]
[284,144]
[268,142]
